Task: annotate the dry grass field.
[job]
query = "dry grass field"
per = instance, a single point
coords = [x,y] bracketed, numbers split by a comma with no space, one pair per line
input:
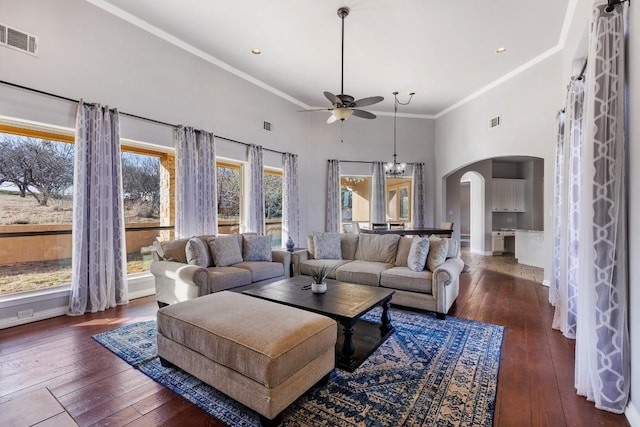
[15,212]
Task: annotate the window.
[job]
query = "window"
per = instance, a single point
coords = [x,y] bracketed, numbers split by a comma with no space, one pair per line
[273,205]
[141,192]
[355,198]
[229,188]
[36,198]
[399,199]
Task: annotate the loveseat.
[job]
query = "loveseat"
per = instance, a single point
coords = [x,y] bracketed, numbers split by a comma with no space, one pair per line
[188,268]
[424,272]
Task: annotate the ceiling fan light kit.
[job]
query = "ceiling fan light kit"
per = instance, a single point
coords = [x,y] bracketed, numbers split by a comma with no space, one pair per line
[344,106]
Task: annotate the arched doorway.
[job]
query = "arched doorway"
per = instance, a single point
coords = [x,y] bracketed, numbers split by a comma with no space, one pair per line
[476,214]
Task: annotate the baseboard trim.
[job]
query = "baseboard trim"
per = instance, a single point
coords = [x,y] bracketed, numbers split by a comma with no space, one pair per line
[40,315]
[633,417]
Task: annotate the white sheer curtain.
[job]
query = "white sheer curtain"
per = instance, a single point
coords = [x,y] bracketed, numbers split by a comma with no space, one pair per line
[99,270]
[196,199]
[255,192]
[378,193]
[290,199]
[333,197]
[602,341]
[558,186]
[568,221]
[418,211]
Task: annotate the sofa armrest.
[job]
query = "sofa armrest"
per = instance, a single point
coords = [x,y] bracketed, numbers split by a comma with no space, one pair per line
[297,257]
[283,257]
[448,271]
[183,273]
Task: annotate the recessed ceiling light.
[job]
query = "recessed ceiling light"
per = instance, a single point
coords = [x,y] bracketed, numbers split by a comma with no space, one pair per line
[501,50]
[256,51]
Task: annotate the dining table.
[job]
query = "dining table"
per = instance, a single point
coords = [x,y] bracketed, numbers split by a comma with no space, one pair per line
[420,231]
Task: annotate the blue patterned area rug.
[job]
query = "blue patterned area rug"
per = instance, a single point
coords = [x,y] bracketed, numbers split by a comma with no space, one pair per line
[430,372]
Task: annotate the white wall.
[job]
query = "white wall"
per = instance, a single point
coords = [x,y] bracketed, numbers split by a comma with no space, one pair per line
[527,104]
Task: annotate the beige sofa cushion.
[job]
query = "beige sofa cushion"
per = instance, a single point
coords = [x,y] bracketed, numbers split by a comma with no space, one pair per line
[221,278]
[404,246]
[377,248]
[262,270]
[349,245]
[362,272]
[311,266]
[287,340]
[405,279]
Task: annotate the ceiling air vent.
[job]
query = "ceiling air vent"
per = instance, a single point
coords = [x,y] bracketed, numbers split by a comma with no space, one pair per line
[267,126]
[18,40]
[494,122]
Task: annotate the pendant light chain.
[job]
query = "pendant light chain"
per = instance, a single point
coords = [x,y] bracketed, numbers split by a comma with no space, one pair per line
[395,169]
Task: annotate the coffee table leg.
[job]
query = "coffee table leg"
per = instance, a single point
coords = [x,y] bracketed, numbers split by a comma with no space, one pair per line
[386,318]
[347,345]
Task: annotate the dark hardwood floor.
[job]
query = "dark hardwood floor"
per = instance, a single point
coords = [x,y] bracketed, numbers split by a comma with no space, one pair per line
[55,367]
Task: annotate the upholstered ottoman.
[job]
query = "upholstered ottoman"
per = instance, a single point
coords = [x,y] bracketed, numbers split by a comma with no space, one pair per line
[263,354]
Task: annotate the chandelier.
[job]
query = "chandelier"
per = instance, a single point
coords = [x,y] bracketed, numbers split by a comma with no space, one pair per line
[395,169]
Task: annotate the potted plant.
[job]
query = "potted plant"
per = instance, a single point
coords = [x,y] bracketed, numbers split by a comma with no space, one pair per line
[319,286]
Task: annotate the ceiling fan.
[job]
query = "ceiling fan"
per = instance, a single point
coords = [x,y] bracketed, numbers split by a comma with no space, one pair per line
[343,106]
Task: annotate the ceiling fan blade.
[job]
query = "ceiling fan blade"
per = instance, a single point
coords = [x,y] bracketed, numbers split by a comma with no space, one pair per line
[363,114]
[315,109]
[332,98]
[368,101]
[332,119]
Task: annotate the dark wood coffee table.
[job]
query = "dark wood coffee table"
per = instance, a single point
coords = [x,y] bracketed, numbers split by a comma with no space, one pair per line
[343,302]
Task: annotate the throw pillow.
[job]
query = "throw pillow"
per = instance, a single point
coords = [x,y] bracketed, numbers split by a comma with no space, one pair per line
[256,248]
[327,246]
[438,249]
[172,250]
[225,250]
[198,252]
[418,253]
[453,248]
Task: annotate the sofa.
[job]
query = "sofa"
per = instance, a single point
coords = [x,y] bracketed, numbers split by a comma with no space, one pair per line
[184,269]
[424,272]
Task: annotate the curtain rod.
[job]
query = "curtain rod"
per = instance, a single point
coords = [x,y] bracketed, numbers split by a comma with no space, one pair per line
[64,98]
[365,161]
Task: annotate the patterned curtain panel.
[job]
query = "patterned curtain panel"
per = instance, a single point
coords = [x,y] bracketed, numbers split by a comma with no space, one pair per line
[290,199]
[557,210]
[255,192]
[569,218]
[378,193]
[196,198]
[602,342]
[418,212]
[333,197]
[99,270]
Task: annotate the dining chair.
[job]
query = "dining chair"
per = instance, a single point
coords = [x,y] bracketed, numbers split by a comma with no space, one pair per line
[396,225]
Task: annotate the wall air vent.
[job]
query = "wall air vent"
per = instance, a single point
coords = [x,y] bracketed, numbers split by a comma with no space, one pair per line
[494,122]
[267,126]
[18,40]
